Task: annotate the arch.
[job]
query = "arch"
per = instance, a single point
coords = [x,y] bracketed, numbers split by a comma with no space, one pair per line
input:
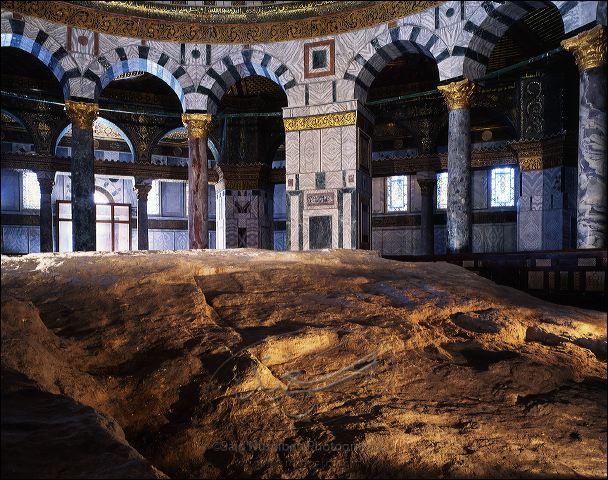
[210,143]
[140,58]
[233,68]
[26,37]
[104,193]
[103,122]
[23,124]
[488,24]
[370,60]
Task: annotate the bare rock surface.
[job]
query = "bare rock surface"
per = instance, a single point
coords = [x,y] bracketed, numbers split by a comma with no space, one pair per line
[326,364]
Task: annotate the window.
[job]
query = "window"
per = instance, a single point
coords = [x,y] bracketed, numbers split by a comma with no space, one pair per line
[442,190]
[503,187]
[396,194]
[31,191]
[154,198]
[112,226]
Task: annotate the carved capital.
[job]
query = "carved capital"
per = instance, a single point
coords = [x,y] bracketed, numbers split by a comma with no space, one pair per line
[198,124]
[427,181]
[142,188]
[83,115]
[46,180]
[457,94]
[588,48]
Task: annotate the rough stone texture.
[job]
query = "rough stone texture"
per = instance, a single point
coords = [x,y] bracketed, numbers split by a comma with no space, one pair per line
[325,364]
[83,190]
[459,184]
[198,211]
[592,194]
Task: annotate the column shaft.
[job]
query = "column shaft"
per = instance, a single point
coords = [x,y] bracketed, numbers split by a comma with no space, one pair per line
[142,187]
[427,182]
[591,219]
[589,49]
[46,180]
[83,175]
[459,184]
[198,179]
[459,216]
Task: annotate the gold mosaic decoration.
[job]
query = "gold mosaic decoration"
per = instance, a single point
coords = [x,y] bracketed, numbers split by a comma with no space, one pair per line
[457,94]
[198,124]
[320,121]
[589,48]
[189,31]
[83,115]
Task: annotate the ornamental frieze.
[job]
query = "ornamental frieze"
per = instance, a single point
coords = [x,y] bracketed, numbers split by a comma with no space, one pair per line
[320,121]
[191,31]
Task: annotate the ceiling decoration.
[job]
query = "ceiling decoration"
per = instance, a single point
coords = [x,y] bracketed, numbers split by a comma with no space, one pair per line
[211,24]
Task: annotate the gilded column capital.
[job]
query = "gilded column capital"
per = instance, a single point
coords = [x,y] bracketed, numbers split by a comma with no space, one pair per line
[198,124]
[457,94]
[82,114]
[588,48]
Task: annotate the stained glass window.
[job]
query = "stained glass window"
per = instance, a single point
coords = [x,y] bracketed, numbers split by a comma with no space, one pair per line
[503,187]
[396,193]
[154,198]
[442,190]
[31,191]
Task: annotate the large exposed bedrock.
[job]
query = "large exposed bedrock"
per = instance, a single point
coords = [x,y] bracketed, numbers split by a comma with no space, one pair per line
[326,364]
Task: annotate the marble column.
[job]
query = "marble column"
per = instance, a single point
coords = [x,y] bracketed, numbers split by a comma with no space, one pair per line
[198,125]
[142,187]
[589,49]
[83,115]
[46,180]
[428,184]
[459,216]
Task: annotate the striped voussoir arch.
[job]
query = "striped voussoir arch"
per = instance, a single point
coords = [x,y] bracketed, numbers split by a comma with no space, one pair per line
[488,24]
[139,58]
[233,68]
[369,62]
[22,35]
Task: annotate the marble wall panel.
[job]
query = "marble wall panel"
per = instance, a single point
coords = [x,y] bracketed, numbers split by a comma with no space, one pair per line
[331,151]
[310,151]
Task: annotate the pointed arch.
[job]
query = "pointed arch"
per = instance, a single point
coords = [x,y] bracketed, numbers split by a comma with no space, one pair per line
[233,68]
[31,39]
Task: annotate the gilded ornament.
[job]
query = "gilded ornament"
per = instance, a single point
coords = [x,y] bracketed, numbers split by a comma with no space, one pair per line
[320,121]
[457,94]
[83,115]
[214,27]
[588,48]
[198,124]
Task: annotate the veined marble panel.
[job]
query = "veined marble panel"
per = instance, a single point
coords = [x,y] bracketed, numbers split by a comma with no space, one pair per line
[320,93]
[333,213]
[310,151]
[349,147]
[347,200]
[331,151]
